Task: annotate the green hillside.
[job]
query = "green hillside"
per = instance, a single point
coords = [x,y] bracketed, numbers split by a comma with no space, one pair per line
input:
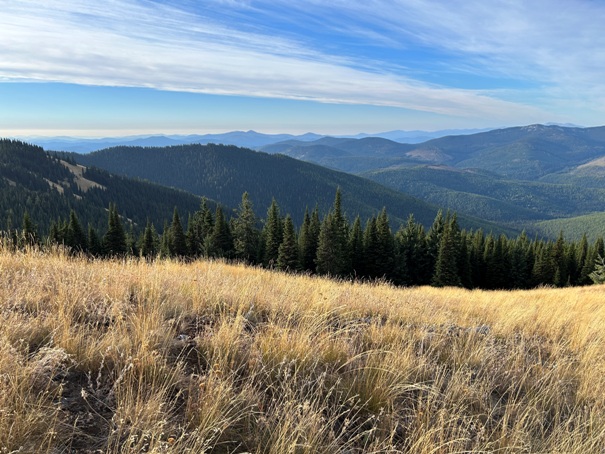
[490,196]
[48,188]
[223,173]
[593,225]
[349,155]
[520,153]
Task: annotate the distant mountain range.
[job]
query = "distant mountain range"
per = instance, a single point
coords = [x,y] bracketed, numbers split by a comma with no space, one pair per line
[247,139]
[516,176]
[528,152]
[539,177]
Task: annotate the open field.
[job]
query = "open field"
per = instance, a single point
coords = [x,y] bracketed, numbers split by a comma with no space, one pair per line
[167,357]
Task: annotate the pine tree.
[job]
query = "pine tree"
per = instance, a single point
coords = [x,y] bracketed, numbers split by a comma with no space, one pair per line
[560,262]
[75,237]
[199,229]
[221,241]
[314,230]
[543,272]
[332,252]
[386,246]
[356,250]
[95,247]
[597,249]
[447,264]
[520,262]
[177,241]
[245,233]
[29,232]
[131,241]
[114,240]
[464,261]
[53,234]
[477,259]
[413,262]
[165,241]
[581,253]
[303,241]
[598,275]
[273,234]
[287,257]
[433,242]
[371,251]
[148,241]
[497,263]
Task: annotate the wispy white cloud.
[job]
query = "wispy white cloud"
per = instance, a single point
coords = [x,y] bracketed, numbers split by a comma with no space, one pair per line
[554,45]
[146,44]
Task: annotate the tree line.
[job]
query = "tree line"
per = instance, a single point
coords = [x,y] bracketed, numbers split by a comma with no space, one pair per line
[443,255]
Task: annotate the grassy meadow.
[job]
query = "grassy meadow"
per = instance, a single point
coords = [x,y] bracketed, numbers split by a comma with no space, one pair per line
[128,356]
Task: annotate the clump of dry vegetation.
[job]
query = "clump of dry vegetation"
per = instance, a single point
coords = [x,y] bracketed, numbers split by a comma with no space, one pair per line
[128,356]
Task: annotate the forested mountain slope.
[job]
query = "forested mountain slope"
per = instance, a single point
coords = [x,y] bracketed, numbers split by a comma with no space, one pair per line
[48,187]
[223,173]
[490,196]
[527,152]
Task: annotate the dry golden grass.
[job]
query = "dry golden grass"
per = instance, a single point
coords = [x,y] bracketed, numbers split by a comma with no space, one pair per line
[166,357]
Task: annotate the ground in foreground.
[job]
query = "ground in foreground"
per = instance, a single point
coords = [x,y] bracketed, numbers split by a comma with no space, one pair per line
[166,357]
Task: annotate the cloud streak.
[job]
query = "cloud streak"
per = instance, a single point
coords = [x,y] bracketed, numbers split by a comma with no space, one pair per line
[216,49]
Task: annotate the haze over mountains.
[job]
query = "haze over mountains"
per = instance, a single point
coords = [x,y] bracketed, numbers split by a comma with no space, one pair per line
[247,139]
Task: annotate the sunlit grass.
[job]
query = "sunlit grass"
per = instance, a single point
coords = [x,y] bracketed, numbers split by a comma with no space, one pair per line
[129,356]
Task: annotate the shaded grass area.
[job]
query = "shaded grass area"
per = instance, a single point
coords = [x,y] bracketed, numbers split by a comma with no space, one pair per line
[167,357]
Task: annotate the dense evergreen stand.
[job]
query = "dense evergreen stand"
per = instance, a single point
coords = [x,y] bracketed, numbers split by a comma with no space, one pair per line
[444,255]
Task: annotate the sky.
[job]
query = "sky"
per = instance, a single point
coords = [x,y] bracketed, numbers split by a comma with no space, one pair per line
[127,67]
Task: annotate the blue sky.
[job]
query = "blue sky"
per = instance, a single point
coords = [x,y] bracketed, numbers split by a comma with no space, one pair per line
[121,67]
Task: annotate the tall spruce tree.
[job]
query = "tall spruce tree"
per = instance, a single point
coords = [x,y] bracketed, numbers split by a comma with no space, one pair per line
[433,243]
[303,241]
[148,243]
[560,262]
[287,257]
[596,250]
[356,250]
[29,232]
[177,241]
[464,261]
[448,257]
[386,246]
[95,246]
[477,259]
[245,233]
[598,275]
[520,262]
[371,251]
[413,265]
[313,243]
[581,253]
[221,241]
[199,229]
[114,240]
[75,237]
[273,235]
[332,252]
